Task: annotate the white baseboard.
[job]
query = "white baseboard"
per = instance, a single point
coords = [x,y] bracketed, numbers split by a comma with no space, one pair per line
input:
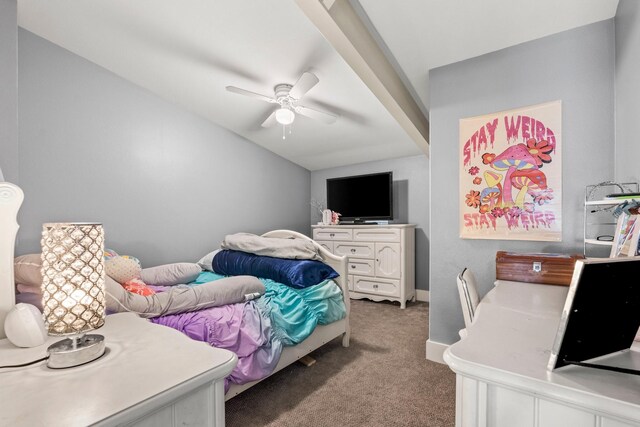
[422,295]
[435,351]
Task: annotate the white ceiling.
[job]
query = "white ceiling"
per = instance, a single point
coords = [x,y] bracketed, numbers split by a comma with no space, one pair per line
[425,34]
[188,51]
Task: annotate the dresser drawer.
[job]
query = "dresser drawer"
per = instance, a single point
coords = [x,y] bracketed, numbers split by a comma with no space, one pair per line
[363,267]
[372,285]
[354,249]
[376,234]
[332,234]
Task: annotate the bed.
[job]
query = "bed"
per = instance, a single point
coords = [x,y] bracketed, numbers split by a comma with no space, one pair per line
[322,333]
[10,201]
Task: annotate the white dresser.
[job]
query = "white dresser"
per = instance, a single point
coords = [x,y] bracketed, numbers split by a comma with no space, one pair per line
[151,375]
[502,378]
[381,258]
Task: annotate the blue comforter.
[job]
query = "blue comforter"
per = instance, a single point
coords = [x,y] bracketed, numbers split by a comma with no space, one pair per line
[295,273]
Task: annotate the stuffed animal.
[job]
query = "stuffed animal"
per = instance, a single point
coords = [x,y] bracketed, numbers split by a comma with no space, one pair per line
[127,271]
[109,253]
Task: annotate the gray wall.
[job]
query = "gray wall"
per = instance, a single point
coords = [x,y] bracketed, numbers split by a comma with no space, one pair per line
[627,22]
[576,67]
[410,204]
[9,89]
[168,185]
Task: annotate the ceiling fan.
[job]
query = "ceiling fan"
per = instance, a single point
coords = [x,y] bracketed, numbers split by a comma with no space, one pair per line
[287,97]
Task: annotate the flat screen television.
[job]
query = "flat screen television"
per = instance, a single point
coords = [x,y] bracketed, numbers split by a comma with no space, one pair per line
[362,198]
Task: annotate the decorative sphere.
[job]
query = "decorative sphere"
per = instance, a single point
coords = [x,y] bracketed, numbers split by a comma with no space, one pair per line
[24,326]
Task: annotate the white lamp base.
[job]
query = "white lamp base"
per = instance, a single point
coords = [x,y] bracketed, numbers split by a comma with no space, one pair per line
[75,351]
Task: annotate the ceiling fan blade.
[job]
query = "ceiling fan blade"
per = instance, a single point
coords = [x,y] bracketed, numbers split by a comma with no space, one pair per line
[270,121]
[323,116]
[303,85]
[251,94]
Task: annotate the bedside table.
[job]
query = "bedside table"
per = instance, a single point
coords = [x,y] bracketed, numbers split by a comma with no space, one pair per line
[150,375]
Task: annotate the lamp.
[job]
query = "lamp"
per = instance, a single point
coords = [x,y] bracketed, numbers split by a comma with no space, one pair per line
[73,291]
[285,116]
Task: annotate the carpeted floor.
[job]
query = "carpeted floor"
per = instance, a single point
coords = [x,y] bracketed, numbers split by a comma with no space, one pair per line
[382,379]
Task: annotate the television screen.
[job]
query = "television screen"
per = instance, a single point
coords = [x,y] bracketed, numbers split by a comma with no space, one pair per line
[363,197]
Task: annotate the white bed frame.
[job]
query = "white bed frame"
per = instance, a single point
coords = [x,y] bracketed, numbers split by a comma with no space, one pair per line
[323,333]
[11,198]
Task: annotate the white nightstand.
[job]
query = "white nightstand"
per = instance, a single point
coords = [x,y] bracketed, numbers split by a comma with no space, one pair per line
[151,375]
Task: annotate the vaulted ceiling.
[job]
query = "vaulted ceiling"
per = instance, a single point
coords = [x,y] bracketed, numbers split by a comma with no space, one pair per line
[434,33]
[188,51]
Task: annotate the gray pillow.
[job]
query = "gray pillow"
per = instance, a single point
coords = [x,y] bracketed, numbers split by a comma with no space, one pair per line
[182,299]
[206,261]
[171,274]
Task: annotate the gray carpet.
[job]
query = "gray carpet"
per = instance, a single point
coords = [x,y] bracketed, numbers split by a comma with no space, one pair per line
[382,379]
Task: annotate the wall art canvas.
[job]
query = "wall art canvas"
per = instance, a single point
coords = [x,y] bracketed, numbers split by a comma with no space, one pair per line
[511,174]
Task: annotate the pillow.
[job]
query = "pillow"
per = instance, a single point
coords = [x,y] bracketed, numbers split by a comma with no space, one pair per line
[275,247]
[294,273]
[171,274]
[182,299]
[122,269]
[25,289]
[205,261]
[26,270]
[30,298]
[109,253]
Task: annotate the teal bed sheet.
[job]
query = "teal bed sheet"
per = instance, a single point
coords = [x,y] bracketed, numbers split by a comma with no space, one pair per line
[295,313]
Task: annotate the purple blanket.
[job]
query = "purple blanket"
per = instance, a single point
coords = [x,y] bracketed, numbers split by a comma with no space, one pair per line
[240,328]
[258,330]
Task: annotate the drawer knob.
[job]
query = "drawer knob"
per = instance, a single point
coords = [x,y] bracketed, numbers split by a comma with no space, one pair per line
[353,251]
[353,266]
[375,286]
[331,234]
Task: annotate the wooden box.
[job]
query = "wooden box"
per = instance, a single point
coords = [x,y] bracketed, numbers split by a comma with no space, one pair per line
[549,269]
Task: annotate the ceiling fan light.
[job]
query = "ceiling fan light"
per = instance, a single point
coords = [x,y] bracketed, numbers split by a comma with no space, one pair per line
[285,116]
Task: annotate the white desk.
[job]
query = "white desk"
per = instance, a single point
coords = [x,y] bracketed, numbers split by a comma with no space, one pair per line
[502,378]
[151,376]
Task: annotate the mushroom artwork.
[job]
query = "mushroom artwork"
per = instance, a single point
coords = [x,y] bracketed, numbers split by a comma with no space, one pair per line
[528,181]
[492,195]
[514,158]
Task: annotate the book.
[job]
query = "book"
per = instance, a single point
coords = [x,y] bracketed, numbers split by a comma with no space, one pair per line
[622,196]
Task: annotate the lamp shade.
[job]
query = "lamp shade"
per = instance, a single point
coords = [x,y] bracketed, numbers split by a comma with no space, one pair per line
[285,116]
[73,272]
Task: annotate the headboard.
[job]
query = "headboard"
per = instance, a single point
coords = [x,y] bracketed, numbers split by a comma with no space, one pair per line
[11,197]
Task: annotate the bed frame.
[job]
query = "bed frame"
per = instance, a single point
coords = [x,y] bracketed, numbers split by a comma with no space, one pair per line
[11,197]
[323,333]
